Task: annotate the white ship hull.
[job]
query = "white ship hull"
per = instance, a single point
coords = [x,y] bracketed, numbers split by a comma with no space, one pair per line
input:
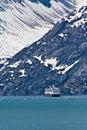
[52,91]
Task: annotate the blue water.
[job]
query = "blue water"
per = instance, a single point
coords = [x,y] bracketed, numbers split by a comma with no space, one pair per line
[43,113]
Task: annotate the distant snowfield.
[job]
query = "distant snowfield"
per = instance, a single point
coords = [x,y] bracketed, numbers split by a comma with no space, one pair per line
[21,25]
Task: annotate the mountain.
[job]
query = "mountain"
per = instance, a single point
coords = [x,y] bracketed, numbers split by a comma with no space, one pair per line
[24,21]
[59,58]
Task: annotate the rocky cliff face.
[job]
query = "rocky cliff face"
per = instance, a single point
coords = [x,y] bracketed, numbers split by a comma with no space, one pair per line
[59,58]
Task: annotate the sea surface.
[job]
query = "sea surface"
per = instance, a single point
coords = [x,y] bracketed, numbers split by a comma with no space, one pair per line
[43,113]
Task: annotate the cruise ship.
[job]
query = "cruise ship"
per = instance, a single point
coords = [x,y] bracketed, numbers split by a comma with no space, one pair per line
[52,91]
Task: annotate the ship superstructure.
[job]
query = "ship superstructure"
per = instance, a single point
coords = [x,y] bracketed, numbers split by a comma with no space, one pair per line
[52,91]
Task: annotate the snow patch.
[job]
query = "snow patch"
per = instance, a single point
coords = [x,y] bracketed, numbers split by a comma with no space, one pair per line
[23,72]
[52,61]
[62,69]
[61,35]
[12,75]
[15,64]
[29,61]
[69,67]
[39,58]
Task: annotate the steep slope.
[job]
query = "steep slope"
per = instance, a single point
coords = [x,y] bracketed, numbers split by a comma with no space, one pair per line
[59,58]
[24,21]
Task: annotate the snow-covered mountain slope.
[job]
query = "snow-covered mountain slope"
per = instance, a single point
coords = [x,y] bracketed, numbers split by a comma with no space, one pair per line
[24,21]
[59,58]
[80,3]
